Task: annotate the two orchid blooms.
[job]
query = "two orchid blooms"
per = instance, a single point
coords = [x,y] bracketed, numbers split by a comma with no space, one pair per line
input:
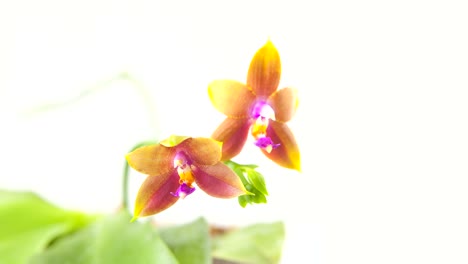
[257,108]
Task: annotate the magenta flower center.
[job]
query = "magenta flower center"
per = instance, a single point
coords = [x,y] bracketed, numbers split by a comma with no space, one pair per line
[185,170]
[262,113]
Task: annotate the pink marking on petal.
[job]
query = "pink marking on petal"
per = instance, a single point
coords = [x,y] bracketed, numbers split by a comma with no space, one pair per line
[262,109]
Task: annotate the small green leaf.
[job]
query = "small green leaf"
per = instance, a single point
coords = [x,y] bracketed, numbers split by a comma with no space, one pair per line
[29,224]
[254,183]
[190,243]
[111,240]
[257,181]
[233,165]
[257,196]
[243,200]
[255,244]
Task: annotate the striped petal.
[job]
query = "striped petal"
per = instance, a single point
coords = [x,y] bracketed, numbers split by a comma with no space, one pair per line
[152,159]
[287,153]
[202,151]
[231,98]
[233,133]
[284,103]
[219,181]
[155,196]
[264,71]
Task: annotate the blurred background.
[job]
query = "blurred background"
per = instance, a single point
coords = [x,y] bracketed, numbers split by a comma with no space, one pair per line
[382,121]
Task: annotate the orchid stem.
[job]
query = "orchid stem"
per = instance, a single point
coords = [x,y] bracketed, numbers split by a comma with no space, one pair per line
[126,172]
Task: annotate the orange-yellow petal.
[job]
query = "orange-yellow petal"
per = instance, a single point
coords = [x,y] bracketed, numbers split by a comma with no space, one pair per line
[287,153]
[231,98]
[155,195]
[152,159]
[233,133]
[202,151]
[284,102]
[219,181]
[264,71]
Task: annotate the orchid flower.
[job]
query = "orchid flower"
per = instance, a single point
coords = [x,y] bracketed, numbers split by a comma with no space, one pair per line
[174,166]
[259,107]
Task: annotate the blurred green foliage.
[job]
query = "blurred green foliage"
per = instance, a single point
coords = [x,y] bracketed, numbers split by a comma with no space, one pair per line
[36,232]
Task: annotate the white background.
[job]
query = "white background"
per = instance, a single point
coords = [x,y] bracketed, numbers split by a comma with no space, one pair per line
[382,121]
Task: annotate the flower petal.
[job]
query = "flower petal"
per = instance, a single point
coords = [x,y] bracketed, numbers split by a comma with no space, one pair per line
[264,71]
[284,102]
[219,181]
[173,141]
[155,196]
[231,98]
[287,153]
[233,133]
[202,151]
[152,159]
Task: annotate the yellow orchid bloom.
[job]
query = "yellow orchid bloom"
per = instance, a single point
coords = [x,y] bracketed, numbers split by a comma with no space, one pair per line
[174,166]
[259,107]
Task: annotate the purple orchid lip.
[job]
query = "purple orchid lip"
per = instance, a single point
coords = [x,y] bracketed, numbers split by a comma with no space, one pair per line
[265,142]
[183,191]
[262,113]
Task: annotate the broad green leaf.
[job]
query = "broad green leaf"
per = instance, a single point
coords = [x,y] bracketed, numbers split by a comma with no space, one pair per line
[110,240]
[255,244]
[29,224]
[190,243]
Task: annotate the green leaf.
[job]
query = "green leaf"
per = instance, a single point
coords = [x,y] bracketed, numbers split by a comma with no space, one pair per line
[257,181]
[255,244]
[190,243]
[29,224]
[111,240]
[254,183]
[257,196]
[233,165]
